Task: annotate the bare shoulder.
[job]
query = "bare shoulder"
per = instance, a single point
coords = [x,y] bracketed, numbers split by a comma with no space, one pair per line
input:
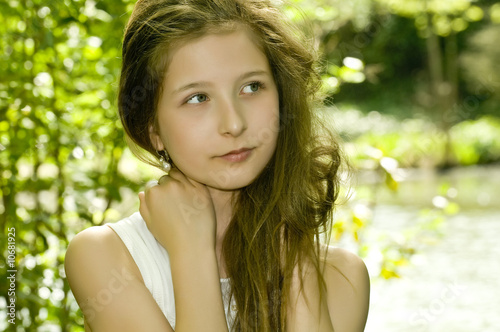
[107,284]
[93,248]
[82,252]
[96,235]
[343,262]
[95,257]
[348,290]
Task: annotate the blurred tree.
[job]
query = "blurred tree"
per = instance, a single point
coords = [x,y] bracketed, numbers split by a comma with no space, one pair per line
[481,66]
[60,147]
[399,56]
[338,28]
[439,22]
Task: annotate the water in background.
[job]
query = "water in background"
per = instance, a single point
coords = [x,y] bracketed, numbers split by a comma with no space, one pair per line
[453,284]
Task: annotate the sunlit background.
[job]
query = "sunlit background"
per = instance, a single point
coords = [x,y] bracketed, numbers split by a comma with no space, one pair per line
[412,87]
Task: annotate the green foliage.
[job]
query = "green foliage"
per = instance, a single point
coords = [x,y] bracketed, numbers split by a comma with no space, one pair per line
[477,142]
[64,165]
[60,142]
[441,17]
[409,53]
[480,63]
[380,158]
[375,139]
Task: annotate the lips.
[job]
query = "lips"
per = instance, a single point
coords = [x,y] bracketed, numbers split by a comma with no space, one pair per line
[238,155]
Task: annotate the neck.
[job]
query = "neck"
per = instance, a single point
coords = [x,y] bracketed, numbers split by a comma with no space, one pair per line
[222,201]
[223,208]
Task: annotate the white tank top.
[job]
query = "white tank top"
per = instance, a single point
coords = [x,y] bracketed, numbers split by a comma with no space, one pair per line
[154,264]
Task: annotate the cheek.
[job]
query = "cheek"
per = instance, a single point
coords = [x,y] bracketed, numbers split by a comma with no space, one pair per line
[275,114]
[268,129]
[268,122]
[178,137]
[187,141]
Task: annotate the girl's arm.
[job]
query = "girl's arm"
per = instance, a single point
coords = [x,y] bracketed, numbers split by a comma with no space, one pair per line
[108,285]
[109,288]
[348,290]
[180,214]
[344,307]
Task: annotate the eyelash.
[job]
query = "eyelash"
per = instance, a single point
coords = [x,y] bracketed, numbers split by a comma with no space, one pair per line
[260,86]
[193,96]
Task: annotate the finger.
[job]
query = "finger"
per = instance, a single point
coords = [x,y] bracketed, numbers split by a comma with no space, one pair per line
[163,179]
[150,184]
[175,174]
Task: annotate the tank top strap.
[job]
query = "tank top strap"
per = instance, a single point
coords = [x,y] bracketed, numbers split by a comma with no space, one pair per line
[154,264]
[151,259]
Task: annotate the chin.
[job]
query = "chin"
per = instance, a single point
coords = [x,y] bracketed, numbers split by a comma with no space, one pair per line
[228,181]
[230,185]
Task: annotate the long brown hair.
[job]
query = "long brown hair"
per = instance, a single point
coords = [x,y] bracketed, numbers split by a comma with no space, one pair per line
[279,218]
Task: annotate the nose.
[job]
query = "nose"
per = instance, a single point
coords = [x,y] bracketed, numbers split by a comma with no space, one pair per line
[232,121]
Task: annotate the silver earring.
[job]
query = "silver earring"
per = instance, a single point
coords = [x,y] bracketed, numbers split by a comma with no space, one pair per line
[164,161]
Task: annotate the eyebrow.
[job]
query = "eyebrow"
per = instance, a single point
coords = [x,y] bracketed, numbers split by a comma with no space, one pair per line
[202,84]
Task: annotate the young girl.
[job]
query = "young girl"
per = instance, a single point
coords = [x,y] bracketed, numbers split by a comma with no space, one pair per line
[219,93]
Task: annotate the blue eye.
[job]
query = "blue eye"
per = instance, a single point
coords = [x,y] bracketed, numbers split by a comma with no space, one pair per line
[197,99]
[252,87]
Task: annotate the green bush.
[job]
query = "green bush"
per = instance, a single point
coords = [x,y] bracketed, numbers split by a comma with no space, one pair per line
[64,165]
[60,144]
[477,142]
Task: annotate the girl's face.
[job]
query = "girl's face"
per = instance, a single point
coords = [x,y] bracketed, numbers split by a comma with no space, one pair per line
[218,115]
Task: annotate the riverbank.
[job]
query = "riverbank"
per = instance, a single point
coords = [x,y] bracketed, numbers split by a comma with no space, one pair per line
[450,285]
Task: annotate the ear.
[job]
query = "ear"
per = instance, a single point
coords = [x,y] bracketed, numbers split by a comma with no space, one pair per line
[154,136]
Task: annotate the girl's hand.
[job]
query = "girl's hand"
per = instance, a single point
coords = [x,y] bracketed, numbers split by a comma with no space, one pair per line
[179,213]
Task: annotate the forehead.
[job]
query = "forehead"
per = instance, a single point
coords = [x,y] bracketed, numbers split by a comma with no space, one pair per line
[215,54]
